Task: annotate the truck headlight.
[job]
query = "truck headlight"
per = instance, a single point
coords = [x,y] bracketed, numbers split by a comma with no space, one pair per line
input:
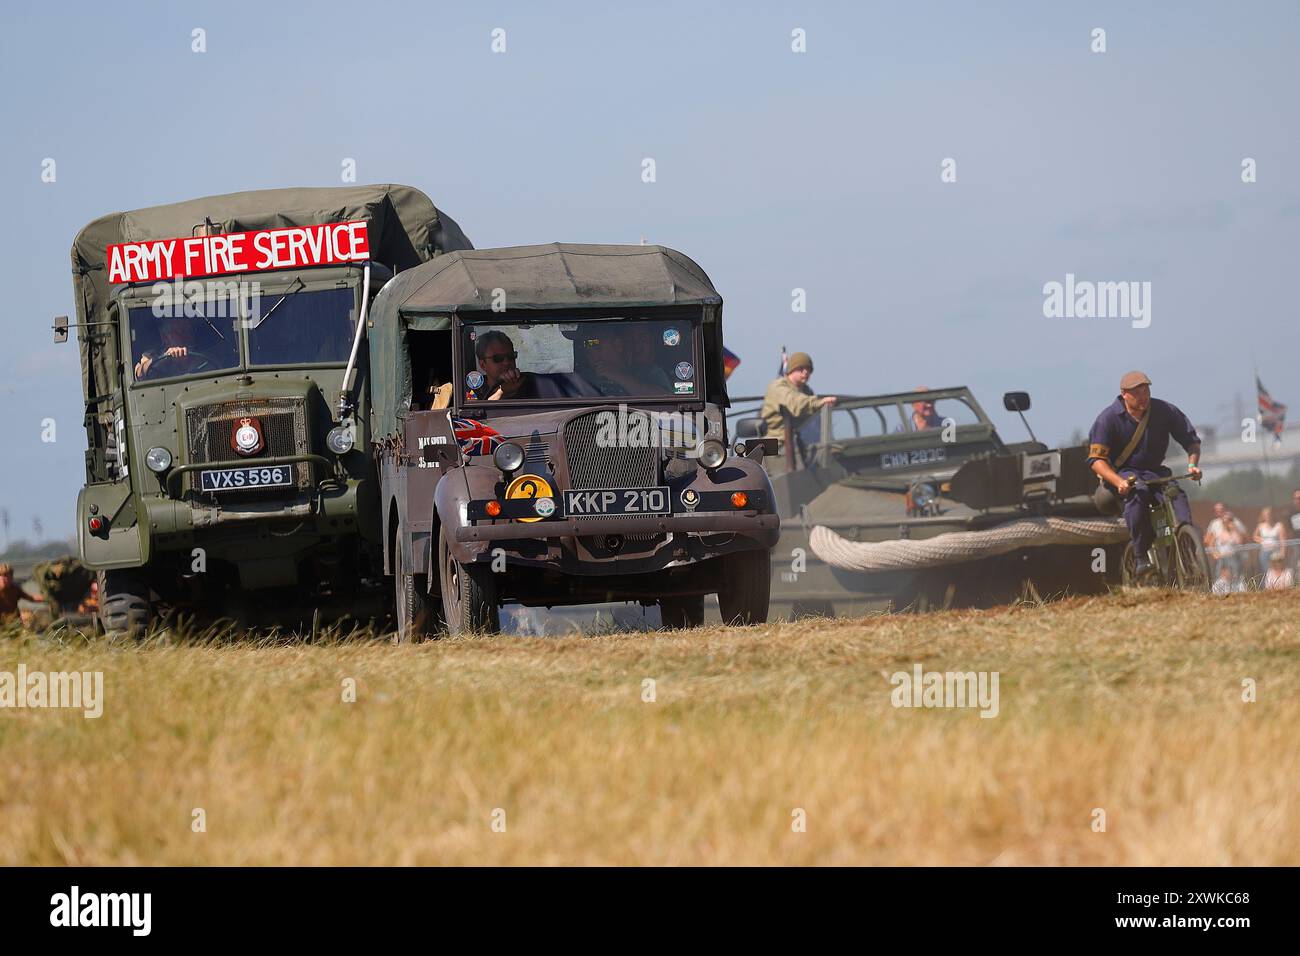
[340,439]
[508,457]
[158,459]
[924,493]
[712,453]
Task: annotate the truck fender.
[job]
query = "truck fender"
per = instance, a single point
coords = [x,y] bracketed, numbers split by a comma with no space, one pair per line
[738,473]
[125,543]
[459,486]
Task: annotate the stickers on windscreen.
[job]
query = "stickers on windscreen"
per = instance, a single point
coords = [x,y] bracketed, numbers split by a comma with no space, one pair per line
[685,371]
[684,388]
[671,337]
[474,379]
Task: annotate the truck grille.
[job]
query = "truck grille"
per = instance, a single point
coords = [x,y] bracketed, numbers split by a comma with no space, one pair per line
[591,466]
[284,427]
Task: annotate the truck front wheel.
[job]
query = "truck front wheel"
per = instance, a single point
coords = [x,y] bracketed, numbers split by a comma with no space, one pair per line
[124,606]
[469,594]
[746,587]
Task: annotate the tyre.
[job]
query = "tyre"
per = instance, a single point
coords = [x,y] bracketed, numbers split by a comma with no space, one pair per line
[1193,564]
[124,606]
[416,614]
[469,594]
[1128,567]
[746,587]
[681,612]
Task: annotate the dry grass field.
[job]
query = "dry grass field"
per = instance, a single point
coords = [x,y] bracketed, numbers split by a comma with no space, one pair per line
[1131,704]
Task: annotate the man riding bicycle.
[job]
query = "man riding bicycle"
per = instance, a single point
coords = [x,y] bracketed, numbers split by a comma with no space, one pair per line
[1127,447]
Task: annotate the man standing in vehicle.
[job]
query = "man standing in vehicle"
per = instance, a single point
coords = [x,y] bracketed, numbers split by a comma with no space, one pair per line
[791,391]
[1127,447]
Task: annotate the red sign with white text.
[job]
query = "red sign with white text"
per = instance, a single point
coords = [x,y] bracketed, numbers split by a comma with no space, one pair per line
[289,248]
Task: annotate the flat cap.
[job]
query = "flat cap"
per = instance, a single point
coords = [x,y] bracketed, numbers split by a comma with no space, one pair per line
[1133,380]
[799,360]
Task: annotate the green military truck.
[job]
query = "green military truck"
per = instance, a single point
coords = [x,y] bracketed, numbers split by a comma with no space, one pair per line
[224,371]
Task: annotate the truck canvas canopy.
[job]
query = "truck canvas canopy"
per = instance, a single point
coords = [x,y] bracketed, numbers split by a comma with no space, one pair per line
[553,277]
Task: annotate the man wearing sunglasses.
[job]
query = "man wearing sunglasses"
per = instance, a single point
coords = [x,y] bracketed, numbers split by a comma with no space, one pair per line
[496,360]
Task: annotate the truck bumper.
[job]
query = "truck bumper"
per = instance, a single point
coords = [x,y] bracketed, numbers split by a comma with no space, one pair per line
[693,523]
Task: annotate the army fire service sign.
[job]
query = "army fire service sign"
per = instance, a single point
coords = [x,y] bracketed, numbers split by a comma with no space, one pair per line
[160,259]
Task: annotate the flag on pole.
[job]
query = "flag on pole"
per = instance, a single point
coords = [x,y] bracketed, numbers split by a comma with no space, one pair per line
[729,362]
[784,359]
[1272,415]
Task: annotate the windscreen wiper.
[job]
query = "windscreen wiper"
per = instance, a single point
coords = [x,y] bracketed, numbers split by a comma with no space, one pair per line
[297,286]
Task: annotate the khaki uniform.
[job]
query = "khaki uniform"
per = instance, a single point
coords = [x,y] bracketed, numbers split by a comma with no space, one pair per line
[799,401]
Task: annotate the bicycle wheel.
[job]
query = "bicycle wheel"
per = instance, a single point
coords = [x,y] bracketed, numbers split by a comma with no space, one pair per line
[1193,565]
[1128,567]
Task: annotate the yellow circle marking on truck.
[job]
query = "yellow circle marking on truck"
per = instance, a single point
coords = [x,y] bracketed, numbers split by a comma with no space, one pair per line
[530,486]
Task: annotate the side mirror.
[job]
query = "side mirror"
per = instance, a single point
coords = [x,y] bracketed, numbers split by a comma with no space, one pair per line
[1016,401]
[60,328]
[755,448]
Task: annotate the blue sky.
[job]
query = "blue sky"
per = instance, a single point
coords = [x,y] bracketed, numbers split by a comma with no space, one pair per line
[775,171]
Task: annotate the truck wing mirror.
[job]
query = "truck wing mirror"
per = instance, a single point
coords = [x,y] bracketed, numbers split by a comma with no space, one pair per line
[1016,401]
[60,328]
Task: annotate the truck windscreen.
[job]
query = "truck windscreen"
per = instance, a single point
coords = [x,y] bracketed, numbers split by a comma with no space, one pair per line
[301,327]
[554,359]
[200,337]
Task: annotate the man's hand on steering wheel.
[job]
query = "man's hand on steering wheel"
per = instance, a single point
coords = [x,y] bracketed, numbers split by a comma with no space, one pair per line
[175,352]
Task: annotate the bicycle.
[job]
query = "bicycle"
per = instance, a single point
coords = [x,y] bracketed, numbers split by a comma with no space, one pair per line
[1177,553]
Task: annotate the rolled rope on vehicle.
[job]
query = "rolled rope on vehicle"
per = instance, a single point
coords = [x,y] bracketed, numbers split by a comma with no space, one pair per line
[957,547]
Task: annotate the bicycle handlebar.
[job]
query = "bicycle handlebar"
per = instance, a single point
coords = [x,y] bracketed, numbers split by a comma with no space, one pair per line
[1160,481]
[1165,481]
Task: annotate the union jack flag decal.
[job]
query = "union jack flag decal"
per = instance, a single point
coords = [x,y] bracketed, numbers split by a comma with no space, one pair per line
[475,437]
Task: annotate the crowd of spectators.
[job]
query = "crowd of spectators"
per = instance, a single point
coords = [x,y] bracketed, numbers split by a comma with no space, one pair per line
[1266,558]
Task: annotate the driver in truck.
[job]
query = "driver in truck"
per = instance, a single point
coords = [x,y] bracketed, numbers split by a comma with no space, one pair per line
[498,364]
[176,339]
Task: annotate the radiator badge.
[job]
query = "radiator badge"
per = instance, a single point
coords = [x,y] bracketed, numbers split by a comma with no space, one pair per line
[246,438]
